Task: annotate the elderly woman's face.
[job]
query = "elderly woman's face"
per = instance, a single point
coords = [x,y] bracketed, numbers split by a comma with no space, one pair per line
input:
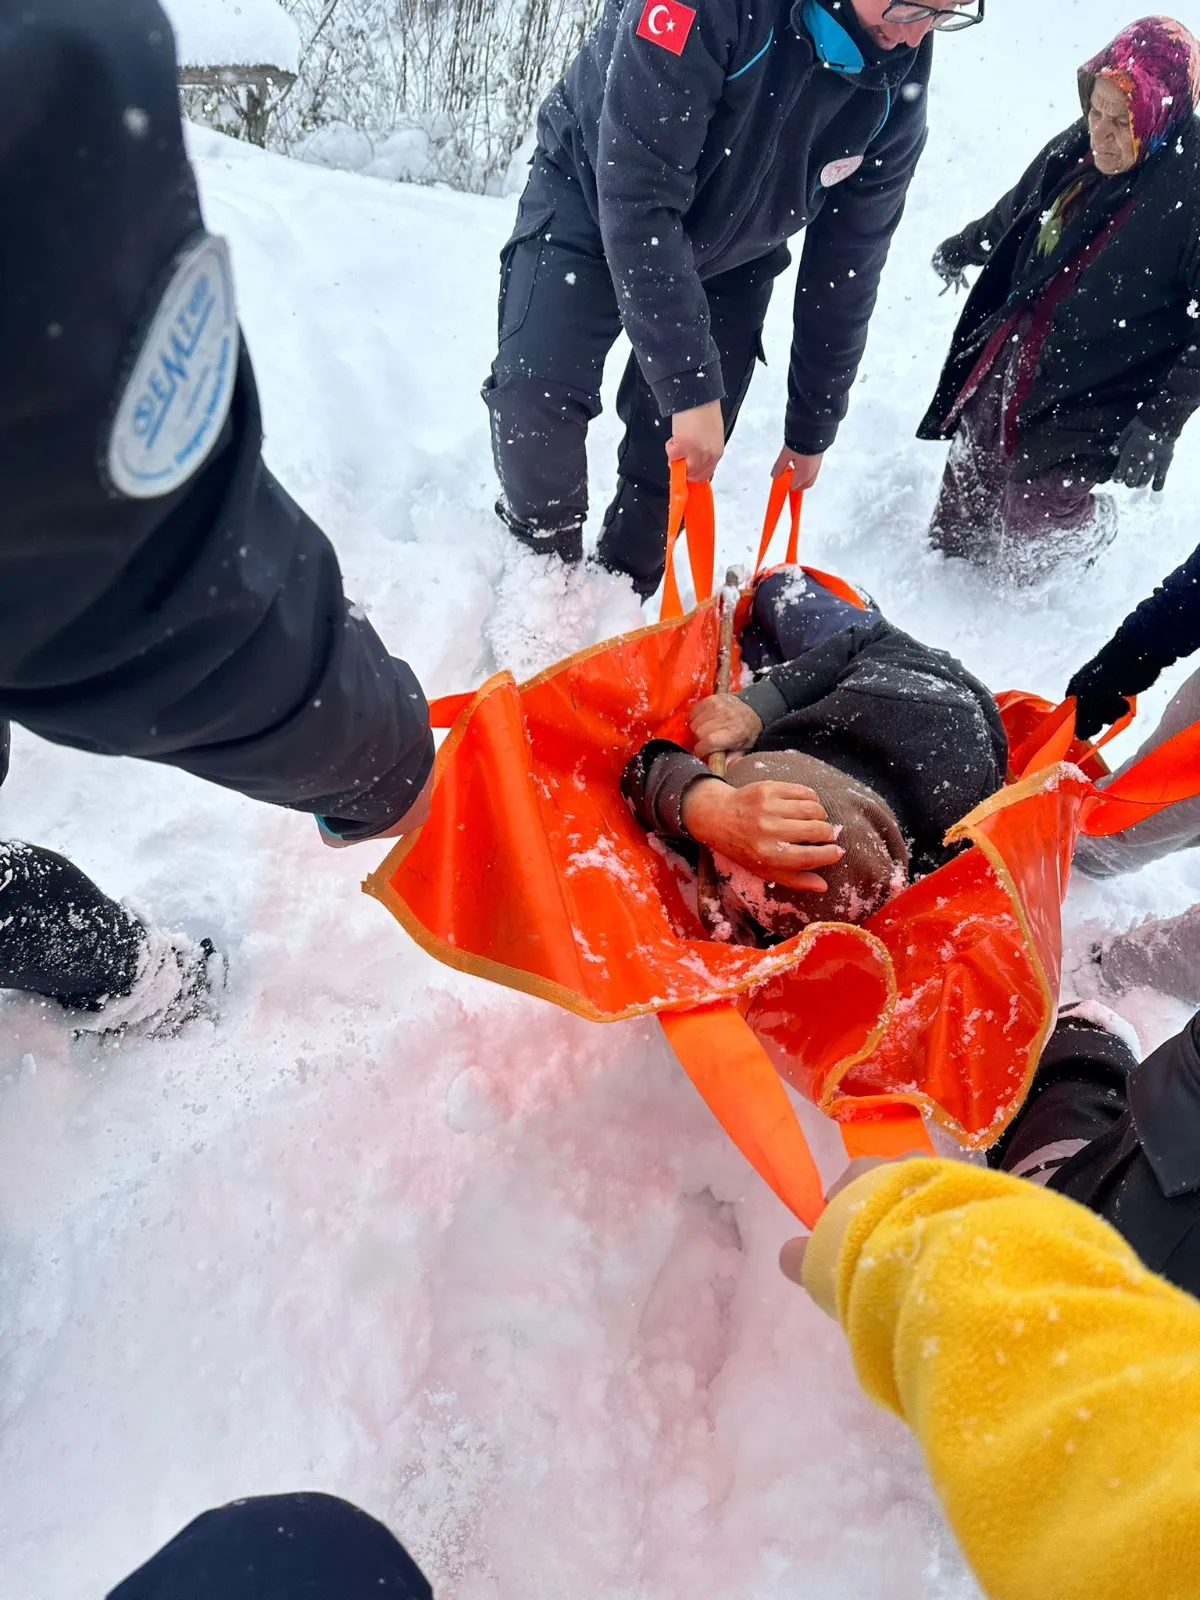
[1111,129]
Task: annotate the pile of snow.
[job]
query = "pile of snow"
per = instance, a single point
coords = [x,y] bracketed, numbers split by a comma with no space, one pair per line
[423,152]
[399,1234]
[234,33]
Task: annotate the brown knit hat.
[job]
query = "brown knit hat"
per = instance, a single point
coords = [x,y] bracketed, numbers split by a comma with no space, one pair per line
[873,869]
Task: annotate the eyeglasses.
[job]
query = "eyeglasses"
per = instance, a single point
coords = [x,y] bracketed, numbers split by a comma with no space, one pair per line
[946,19]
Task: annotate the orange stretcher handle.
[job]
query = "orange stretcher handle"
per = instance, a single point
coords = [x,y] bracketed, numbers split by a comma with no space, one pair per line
[781,490]
[1168,774]
[1053,737]
[736,1078]
[690,504]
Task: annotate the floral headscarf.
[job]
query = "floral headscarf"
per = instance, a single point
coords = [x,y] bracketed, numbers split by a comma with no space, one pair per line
[1156,64]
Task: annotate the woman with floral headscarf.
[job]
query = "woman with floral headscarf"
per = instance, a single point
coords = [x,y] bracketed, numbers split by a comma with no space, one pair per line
[1077,357]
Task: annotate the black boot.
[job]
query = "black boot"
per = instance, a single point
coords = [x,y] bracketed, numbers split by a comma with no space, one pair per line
[565,542]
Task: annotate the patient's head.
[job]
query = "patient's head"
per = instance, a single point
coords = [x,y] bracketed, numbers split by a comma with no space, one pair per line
[873,868]
[794,611]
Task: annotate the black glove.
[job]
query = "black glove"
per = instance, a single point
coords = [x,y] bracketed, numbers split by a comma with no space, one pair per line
[948,263]
[1101,687]
[1143,453]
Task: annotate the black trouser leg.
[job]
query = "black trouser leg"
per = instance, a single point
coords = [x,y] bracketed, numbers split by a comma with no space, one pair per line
[278,1546]
[60,936]
[558,321]
[635,524]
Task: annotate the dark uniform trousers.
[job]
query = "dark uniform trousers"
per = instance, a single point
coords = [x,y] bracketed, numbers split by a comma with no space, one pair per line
[559,319]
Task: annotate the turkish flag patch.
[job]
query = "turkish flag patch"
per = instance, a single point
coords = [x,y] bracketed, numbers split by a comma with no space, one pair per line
[666,23]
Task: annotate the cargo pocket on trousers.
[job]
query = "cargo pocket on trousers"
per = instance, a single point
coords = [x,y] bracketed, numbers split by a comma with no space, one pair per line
[519,262]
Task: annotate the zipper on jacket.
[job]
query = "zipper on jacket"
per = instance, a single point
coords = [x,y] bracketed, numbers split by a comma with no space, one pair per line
[877,130]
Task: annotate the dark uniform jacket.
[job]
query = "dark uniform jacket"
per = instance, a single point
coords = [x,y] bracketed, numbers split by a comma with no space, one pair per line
[205,627]
[907,720]
[695,163]
[1125,340]
[1121,1139]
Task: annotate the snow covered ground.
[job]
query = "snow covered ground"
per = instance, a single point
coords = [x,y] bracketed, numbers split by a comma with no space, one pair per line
[489,1270]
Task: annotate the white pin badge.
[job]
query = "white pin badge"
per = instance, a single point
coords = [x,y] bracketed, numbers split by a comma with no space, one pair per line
[178,392]
[838,171]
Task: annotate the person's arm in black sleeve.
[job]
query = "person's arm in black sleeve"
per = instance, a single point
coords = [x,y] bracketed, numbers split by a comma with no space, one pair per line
[844,253]
[809,678]
[972,245]
[1162,630]
[656,112]
[193,614]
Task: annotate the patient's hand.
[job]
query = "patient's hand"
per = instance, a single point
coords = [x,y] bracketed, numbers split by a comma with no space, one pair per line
[723,722]
[777,830]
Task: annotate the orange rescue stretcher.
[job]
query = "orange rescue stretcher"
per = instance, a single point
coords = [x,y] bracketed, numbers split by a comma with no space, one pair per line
[530,871]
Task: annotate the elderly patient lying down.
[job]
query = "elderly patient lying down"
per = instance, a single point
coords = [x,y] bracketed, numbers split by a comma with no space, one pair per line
[851,753]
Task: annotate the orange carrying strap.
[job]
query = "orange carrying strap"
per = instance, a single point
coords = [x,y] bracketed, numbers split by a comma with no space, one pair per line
[690,508]
[1052,737]
[746,1095]
[782,492]
[532,872]
[1161,778]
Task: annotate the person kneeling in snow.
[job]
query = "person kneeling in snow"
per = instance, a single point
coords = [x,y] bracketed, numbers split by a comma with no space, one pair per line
[852,753]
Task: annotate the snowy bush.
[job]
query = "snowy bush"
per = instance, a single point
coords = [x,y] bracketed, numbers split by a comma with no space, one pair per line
[236,59]
[424,90]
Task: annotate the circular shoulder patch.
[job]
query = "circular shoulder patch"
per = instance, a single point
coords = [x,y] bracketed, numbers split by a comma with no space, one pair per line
[177,395]
[837,171]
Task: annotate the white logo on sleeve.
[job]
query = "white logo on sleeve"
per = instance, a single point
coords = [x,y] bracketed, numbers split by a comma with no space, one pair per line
[178,392]
[838,171]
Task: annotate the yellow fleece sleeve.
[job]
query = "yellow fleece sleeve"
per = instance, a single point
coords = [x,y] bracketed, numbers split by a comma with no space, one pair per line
[1053,1382]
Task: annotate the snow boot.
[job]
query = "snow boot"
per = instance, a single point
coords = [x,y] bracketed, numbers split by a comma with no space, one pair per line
[565,542]
[178,980]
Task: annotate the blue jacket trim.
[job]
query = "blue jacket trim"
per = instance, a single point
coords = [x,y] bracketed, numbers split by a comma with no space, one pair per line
[753,61]
[834,46]
[887,111]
